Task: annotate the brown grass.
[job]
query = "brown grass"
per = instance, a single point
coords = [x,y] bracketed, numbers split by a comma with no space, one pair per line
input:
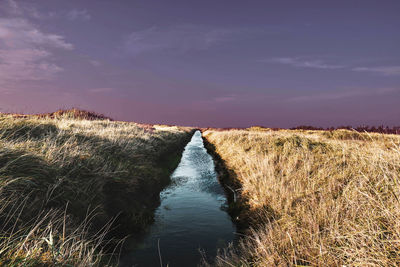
[73,113]
[314,198]
[63,179]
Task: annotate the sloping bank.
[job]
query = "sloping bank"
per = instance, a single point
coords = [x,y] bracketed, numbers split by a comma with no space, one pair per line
[67,185]
[311,198]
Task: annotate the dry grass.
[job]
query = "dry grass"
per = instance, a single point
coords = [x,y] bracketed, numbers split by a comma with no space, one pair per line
[314,198]
[73,113]
[64,180]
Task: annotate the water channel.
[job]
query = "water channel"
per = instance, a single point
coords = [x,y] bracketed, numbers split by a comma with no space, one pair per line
[190,219]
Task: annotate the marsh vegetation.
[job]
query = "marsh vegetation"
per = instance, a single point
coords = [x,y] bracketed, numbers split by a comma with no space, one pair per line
[71,186]
[313,198]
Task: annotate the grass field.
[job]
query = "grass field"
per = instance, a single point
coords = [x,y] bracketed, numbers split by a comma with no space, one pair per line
[72,181]
[313,198]
[66,183]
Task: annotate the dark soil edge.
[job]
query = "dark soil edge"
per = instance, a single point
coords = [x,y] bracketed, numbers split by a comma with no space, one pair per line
[237,205]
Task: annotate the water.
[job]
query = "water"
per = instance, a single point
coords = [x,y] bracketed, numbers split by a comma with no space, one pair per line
[191,216]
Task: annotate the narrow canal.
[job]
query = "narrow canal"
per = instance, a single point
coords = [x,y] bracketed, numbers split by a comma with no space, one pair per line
[190,219]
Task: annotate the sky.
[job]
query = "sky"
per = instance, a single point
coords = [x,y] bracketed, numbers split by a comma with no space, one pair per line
[206,63]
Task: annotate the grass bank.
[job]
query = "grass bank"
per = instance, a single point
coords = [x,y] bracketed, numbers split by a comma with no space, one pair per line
[68,185]
[312,198]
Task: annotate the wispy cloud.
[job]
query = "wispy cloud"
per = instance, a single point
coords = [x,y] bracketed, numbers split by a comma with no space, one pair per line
[180,38]
[214,101]
[101,90]
[319,64]
[346,94]
[217,100]
[11,6]
[95,63]
[27,9]
[78,14]
[26,64]
[26,52]
[224,99]
[19,32]
[381,70]
[302,63]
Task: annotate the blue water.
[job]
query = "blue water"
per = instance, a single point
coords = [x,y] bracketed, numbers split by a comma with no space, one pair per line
[190,219]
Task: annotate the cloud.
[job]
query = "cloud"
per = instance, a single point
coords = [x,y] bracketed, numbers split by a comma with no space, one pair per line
[217,100]
[14,9]
[381,70]
[11,7]
[330,96]
[179,38]
[319,64]
[18,32]
[95,63]
[224,99]
[26,64]
[346,94]
[101,90]
[26,53]
[78,14]
[297,62]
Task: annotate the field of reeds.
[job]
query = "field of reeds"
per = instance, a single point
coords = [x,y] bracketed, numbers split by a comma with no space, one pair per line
[312,198]
[68,180]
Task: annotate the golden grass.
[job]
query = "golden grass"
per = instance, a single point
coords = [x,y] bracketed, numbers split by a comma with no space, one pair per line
[64,181]
[314,198]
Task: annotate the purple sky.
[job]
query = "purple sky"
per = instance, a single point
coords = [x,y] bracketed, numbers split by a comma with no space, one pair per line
[205,63]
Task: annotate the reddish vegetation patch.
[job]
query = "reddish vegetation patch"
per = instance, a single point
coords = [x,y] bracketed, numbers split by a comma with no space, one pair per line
[69,113]
[370,129]
[219,129]
[361,129]
[146,127]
